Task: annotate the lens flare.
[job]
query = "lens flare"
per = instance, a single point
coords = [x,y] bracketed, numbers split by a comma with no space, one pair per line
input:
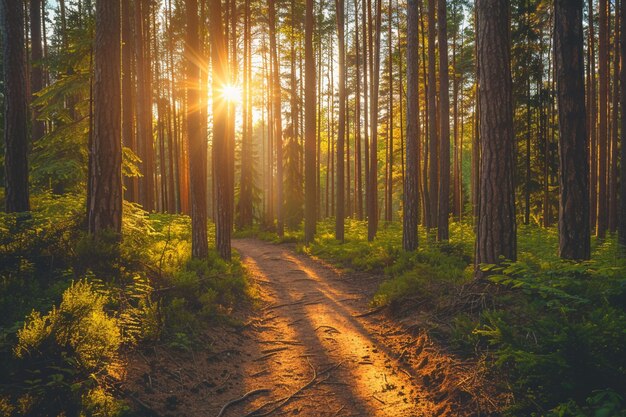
[231,93]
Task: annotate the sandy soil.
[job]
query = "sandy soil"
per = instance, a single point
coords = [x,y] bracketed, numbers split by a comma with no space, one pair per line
[314,348]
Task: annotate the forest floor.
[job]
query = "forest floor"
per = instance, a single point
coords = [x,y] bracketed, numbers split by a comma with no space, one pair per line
[313,348]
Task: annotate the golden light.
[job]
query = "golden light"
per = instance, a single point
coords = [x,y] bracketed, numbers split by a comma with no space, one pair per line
[231,93]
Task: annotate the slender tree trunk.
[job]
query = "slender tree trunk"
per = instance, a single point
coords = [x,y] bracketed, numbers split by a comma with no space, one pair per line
[612,184]
[602,211]
[143,126]
[389,162]
[592,126]
[105,183]
[197,144]
[220,77]
[366,115]
[341,131]
[128,113]
[443,232]
[621,232]
[278,128]
[433,138]
[424,183]
[574,233]
[496,232]
[358,157]
[372,207]
[309,126]
[457,150]
[36,75]
[246,179]
[411,180]
[15,107]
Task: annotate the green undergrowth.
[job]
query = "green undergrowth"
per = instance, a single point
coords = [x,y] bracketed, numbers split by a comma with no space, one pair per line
[268,235]
[71,305]
[555,330]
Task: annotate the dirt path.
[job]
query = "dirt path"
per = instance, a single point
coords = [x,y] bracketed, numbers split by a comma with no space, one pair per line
[311,350]
[308,303]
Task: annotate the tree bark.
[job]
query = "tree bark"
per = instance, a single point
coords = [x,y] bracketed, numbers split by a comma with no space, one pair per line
[105,210]
[36,75]
[372,206]
[197,143]
[602,211]
[220,77]
[443,232]
[15,108]
[128,112]
[410,217]
[341,131]
[621,231]
[277,122]
[309,127]
[496,232]
[246,184]
[433,139]
[574,233]
[612,182]
[358,157]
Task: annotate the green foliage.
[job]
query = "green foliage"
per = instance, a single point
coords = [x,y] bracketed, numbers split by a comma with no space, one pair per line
[68,353]
[294,182]
[563,331]
[555,329]
[85,298]
[37,251]
[204,290]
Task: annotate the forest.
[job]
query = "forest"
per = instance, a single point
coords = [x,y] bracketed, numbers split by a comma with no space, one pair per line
[312,207]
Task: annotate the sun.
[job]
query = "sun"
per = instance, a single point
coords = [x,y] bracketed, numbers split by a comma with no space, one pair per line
[231,93]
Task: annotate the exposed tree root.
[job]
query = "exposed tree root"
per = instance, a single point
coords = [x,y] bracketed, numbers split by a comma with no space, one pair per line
[240,399]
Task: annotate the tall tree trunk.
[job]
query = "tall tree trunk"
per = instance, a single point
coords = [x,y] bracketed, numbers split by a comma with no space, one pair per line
[389,162]
[278,128]
[15,107]
[612,183]
[457,150]
[36,75]
[128,113]
[424,182]
[433,139]
[341,131]
[602,212]
[621,232]
[358,157]
[443,232]
[366,115]
[309,126]
[247,171]
[411,180]
[528,132]
[220,77]
[372,207]
[574,233]
[105,183]
[197,144]
[475,178]
[145,148]
[592,125]
[496,232]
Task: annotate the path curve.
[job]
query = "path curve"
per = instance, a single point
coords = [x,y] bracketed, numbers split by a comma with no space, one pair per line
[311,350]
[311,318]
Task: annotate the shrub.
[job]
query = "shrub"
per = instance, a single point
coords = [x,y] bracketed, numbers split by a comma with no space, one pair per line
[67,353]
